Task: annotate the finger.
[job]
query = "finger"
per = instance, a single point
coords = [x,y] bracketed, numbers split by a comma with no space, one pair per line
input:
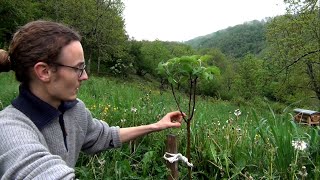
[176,113]
[175,124]
[177,119]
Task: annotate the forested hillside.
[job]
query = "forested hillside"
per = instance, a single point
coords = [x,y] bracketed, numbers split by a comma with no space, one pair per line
[236,41]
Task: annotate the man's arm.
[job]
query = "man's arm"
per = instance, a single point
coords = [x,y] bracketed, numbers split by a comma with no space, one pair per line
[170,120]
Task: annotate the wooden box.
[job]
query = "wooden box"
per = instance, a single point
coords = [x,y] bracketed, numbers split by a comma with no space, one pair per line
[307,116]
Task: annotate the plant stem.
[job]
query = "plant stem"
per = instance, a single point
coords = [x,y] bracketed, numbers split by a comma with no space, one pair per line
[177,102]
[295,165]
[188,146]
[194,98]
[190,94]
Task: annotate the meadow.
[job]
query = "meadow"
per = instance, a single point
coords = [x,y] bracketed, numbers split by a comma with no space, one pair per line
[260,143]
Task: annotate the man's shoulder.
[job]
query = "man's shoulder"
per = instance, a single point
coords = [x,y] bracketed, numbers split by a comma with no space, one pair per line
[11,115]
[10,111]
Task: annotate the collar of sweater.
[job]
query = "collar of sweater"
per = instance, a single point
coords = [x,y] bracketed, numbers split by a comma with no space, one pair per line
[40,112]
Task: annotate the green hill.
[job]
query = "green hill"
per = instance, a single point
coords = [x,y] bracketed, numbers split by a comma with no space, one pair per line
[235,41]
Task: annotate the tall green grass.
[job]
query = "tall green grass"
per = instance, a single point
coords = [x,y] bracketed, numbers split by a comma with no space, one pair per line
[255,145]
[9,89]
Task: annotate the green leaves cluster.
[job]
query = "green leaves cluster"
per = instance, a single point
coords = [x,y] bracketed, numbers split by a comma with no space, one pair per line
[179,70]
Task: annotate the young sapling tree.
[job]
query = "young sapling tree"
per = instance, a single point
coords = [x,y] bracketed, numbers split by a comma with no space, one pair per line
[185,72]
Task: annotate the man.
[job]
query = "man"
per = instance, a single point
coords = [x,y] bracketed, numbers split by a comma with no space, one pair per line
[46,126]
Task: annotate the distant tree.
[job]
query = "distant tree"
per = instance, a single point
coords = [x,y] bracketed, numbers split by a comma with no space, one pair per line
[218,58]
[179,49]
[135,55]
[15,13]
[220,86]
[294,43]
[152,54]
[249,78]
[101,25]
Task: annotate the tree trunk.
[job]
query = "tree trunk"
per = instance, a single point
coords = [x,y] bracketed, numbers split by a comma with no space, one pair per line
[314,84]
[88,68]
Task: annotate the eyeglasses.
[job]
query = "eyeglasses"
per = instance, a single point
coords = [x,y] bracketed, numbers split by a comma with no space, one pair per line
[78,70]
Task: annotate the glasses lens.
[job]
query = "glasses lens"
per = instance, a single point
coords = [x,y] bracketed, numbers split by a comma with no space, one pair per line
[81,70]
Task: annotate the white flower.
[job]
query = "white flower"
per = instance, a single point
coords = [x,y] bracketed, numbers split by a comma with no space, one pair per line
[237,112]
[123,120]
[101,161]
[303,172]
[299,145]
[133,109]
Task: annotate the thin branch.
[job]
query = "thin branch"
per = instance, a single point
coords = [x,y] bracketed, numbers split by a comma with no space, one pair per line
[297,60]
[175,98]
[194,98]
[190,96]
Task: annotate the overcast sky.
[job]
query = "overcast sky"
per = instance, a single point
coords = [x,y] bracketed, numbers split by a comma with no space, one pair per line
[182,20]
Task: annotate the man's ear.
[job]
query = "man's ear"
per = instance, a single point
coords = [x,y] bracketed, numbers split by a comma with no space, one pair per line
[42,71]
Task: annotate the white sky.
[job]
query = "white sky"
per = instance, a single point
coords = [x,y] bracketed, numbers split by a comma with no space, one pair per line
[182,20]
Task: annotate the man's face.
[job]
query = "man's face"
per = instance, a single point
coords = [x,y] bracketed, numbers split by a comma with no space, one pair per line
[69,75]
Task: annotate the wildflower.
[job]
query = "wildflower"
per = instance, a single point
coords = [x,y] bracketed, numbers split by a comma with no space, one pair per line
[101,161]
[256,136]
[227,137]
[133,109]
[106,109]
[299,145]
[303,172]
[237,112]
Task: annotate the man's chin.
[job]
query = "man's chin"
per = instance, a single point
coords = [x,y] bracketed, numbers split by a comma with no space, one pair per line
[71,98]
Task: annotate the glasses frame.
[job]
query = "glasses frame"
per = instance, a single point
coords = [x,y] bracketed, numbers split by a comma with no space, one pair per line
[78,70]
